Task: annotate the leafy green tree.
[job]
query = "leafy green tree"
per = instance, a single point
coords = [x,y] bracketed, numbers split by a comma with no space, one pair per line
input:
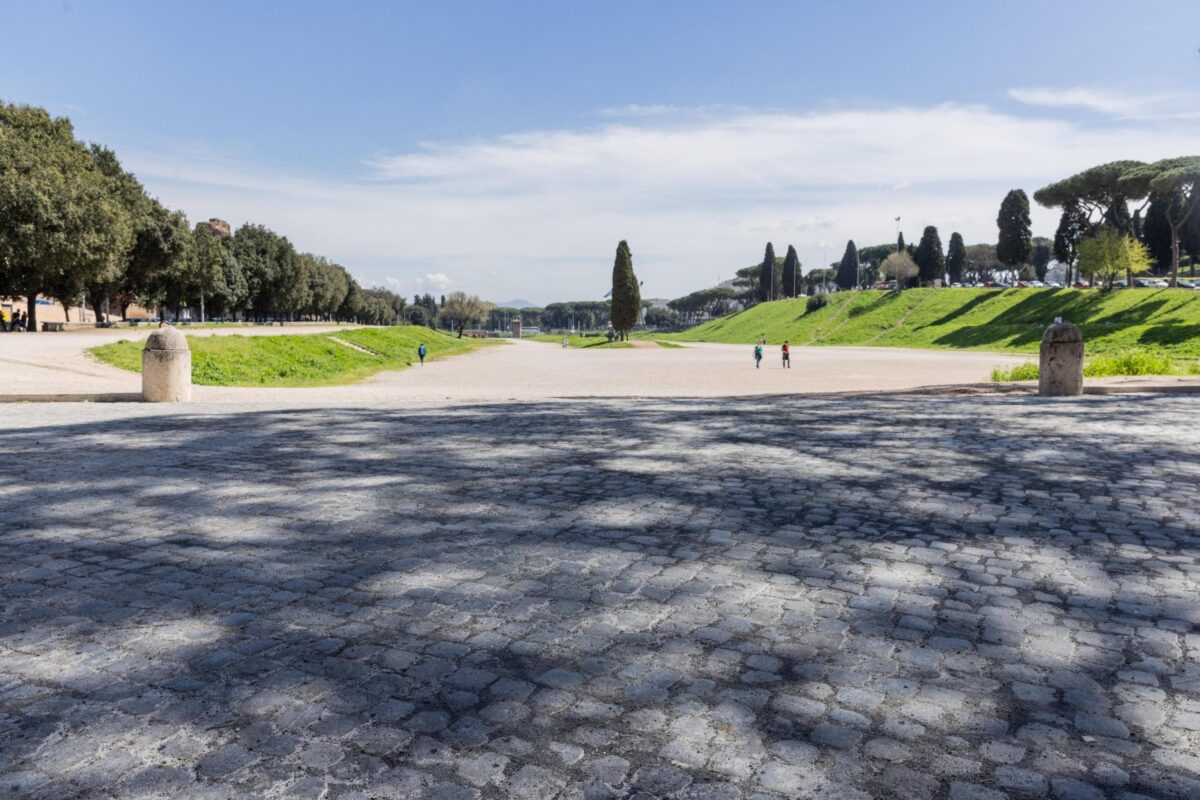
[766,274]
[1109,252]
[790,279]
[901,268]
[1178,180]
[273,270]
[158,262]
[662,318]
[1015,242]
[956,258]
[847,272]
[463,310]
[1039,257]
[112,281]
[626,294]
[61,224]
[211,263]
[703,304]
[1073,226]
[931,262]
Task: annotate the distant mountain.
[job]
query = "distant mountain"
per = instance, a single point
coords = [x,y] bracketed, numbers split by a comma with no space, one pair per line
[517,304]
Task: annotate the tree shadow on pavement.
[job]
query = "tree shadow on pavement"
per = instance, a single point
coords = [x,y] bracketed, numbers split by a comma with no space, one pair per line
[864,597]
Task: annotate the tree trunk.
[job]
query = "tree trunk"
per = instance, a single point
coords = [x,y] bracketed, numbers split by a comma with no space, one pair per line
[201,308]
[97,308]
[124,312]
[66,312]
[31,311]
[1174,257]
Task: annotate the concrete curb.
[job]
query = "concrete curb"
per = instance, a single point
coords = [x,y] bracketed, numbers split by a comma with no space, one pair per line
[101,397]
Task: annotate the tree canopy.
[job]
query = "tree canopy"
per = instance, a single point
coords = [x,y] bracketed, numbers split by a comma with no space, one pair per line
[1015,241]
[461,310]
[790,280]
[931,262]
[75,225]
[847,272]
[956,258]
[766,274]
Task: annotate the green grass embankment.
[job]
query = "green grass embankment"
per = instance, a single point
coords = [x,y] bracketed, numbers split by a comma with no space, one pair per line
[316,359]
[1003,320]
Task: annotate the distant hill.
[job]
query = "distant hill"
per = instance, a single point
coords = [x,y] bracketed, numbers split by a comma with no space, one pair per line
[518,304]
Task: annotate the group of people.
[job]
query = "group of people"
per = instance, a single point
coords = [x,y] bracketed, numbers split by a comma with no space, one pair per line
[17,322]
[785,351]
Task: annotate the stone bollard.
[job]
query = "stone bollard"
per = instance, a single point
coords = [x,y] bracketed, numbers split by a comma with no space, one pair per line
[1060,373]
[166,367]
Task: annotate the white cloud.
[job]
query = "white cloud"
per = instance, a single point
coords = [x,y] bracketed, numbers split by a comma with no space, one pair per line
[538,213]
[437,280]
[1114,103]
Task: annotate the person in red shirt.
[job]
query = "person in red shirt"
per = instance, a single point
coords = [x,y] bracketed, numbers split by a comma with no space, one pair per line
[787,355]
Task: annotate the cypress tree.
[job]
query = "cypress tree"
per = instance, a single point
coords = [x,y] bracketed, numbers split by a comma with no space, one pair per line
[956,258]
[900,242]
[766,273]
[1016,240]
[791,273]
[847,272]
[626,297]
[929,256]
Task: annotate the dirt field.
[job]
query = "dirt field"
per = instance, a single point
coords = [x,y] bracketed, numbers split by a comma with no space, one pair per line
[57,364]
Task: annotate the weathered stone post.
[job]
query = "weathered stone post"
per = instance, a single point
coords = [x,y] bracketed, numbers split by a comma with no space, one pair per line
[1060,373]
[166,367]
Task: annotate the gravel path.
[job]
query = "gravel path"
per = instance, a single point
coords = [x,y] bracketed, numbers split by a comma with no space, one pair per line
[56,363]
[931,598]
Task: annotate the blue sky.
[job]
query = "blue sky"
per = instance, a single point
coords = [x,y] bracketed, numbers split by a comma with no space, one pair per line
[504,148]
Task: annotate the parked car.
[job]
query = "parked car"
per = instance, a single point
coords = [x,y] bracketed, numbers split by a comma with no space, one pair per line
[1189,285]
[1053,285]
[1082,285]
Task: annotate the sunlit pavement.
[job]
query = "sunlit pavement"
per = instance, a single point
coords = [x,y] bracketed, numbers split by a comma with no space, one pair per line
[762,598]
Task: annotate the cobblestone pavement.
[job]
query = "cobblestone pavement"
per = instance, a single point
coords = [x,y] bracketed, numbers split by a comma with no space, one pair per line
[809,597]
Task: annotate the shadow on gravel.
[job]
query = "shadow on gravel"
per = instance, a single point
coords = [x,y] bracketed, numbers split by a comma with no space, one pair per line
[861,597]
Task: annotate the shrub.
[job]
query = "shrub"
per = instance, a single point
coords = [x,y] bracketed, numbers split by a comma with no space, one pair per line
[1021,372]
[816,301]
[1129,362]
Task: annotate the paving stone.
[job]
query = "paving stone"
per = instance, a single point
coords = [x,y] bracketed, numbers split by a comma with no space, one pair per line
[711,599]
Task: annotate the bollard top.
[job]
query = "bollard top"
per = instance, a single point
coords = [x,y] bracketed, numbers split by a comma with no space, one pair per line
[1062,333]
[166,338]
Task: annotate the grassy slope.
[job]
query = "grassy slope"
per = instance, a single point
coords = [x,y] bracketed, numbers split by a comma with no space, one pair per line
[982,319]
[296,360]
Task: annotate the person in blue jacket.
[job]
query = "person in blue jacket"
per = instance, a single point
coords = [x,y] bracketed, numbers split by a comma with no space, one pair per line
[421,351]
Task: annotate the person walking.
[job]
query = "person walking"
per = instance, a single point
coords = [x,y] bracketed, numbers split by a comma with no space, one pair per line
[787,355]
[758,356]
[566,343]
[421,351]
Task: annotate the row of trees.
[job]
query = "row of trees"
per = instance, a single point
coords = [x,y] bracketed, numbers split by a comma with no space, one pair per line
[1098,199]
[75,226]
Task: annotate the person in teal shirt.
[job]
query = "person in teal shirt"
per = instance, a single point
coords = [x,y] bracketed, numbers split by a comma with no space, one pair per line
[757,356]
